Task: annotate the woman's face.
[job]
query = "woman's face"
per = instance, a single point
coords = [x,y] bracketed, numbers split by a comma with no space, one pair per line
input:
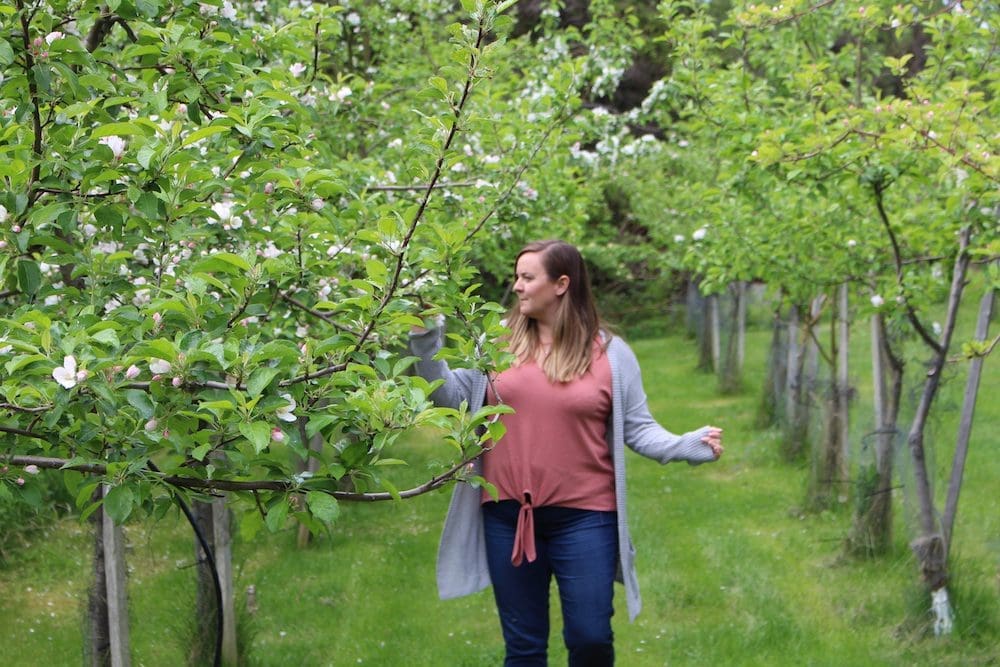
[537,294]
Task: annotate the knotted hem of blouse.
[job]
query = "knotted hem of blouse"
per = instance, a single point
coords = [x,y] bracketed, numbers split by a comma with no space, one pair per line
[524,534]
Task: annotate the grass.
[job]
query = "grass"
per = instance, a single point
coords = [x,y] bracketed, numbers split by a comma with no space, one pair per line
[732,571]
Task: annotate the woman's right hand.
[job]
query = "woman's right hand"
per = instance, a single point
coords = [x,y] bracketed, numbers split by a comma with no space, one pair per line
[714,440]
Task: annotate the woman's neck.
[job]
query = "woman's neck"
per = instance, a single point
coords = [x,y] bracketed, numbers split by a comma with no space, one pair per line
[545,334]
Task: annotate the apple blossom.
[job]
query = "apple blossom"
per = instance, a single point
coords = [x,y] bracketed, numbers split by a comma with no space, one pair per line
[31,469]
[66,375]
[277,434]
[296,69]
[116,144]
[284,413]
[132,372]
[699,234]
[151,425]
[877,300]
[159,366]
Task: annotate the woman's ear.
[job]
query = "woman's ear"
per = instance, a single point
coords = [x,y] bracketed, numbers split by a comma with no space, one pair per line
[562,284]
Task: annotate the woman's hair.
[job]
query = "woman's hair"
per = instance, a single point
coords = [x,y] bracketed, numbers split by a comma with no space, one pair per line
[577,323]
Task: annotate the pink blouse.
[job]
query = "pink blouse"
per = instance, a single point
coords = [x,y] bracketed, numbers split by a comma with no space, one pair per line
[554,451]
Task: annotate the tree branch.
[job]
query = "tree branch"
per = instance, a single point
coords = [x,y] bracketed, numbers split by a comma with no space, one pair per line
[897,256]
[253,486]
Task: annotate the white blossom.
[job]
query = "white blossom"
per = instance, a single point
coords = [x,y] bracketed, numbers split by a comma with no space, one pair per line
[65,375]
[699,234]
[297,69]
[877,300]
[284,413]
[53,36]
[340,94]
[116,144]
[159,366]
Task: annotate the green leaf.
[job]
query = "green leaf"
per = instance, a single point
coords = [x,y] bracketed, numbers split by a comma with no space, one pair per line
[276,515]
[118,503]
[258,433]
[225,262]
[203,132]
[250,525]
[141,401]
[217,406]
[260,378]
[106,337]
[323,506]
[6,53]
[29,277]
[117,129]
[157,348]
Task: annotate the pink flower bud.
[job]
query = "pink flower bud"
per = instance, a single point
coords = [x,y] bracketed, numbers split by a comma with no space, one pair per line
[157,318]
[31,469]
[81,375]
[177,381]
[20,481]
[277,435]
[269,188]
[166,433]
[16,229]
[151,425]
[132,372]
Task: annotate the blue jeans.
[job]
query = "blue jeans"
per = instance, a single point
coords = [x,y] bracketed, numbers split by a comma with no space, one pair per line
[579,547]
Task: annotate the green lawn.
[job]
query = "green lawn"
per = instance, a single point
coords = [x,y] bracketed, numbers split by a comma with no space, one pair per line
[732,572]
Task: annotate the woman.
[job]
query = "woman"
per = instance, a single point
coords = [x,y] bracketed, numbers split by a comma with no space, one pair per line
[559,470]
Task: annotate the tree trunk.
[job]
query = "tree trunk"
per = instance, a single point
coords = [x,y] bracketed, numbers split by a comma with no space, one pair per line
[715,329]
[731,366]
[223,547]
[871,533]
[310,466]
[99,648]
[795,396]
[929,547]
[108,631]
[965,426]
[769,413]
[213,522]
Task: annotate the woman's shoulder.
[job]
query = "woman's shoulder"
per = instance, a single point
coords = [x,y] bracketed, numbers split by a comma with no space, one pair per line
[616,348]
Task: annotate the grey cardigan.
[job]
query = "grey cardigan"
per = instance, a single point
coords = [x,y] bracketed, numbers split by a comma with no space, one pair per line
[461,564]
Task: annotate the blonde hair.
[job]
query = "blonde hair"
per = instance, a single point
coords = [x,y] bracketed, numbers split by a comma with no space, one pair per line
[576,325]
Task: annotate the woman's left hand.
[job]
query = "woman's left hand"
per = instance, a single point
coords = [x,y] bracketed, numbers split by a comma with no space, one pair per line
[714,440]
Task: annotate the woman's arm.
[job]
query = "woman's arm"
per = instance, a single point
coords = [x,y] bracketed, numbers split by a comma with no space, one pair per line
[458,386]
[645,435]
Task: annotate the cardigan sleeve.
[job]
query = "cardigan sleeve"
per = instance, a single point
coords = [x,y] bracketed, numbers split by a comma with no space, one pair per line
[643,434]
[458,385]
